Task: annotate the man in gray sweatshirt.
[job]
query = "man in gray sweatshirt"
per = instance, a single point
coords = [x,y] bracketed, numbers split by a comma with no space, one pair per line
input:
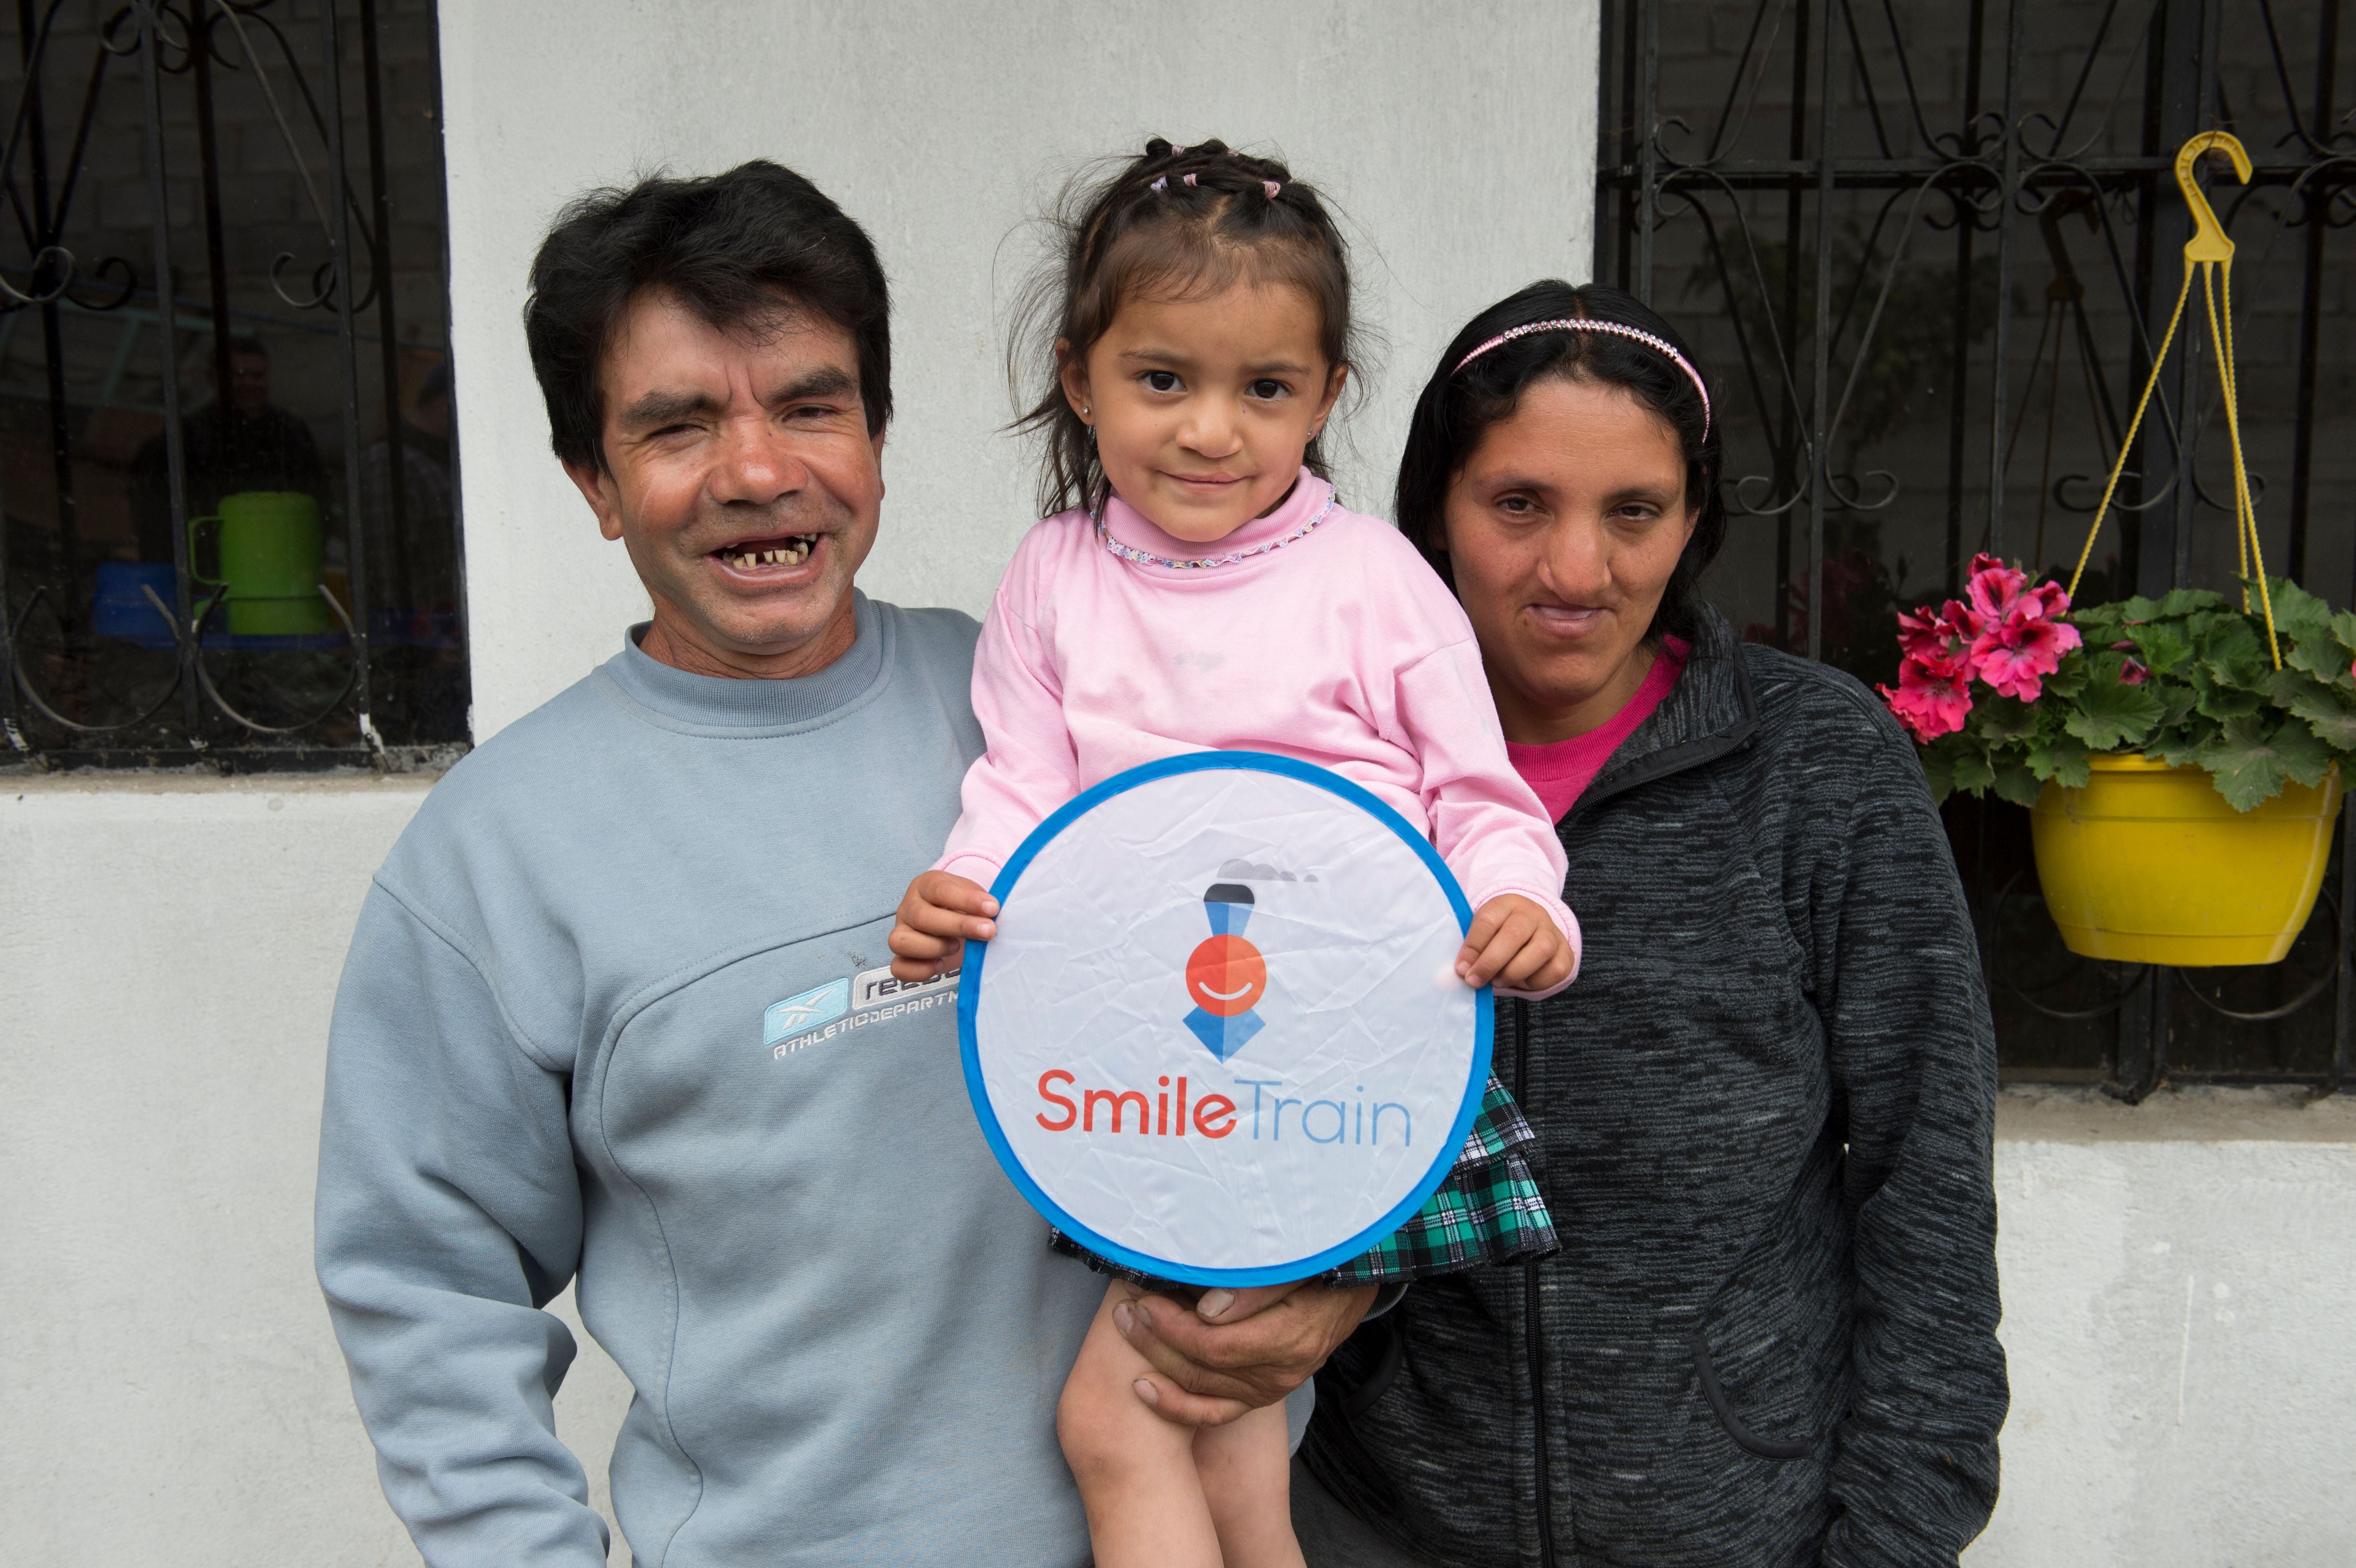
[619,1008]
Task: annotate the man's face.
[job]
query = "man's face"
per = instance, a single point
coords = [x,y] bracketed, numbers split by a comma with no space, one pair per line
[743,481]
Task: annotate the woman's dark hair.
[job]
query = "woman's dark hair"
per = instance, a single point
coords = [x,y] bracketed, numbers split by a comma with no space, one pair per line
[1457,408]
[742,250]
[1181,223]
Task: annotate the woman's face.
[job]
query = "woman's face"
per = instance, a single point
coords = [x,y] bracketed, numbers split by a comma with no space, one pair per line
[1563,529]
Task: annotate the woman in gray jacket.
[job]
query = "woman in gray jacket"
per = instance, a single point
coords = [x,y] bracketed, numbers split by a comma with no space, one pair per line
[1764,1109]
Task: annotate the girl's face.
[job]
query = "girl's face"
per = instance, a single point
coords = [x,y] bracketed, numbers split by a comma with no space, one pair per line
[1202,407]
[1563,530]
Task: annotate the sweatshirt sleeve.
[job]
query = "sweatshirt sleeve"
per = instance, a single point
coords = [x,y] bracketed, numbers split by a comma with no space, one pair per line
[448,1212]
[1913,1063]
[1028,766]
[1486,822]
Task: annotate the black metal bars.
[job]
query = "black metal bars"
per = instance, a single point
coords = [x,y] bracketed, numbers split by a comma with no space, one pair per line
[192,695]
[1860,368]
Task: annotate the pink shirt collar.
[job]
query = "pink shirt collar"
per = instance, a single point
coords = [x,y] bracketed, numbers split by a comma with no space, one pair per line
[1130,527]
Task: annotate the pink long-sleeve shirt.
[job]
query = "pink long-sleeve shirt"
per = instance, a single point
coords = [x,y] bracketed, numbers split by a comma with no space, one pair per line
[1339,648]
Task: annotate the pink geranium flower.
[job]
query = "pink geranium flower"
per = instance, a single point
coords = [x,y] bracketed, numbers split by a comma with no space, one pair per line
[1994,588]
[1933,639]
[2018,642]
[2133,673]
[2004,633]
[1931,699]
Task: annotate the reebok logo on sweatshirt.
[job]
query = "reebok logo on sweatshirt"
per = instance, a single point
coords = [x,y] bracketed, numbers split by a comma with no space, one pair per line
[870,997]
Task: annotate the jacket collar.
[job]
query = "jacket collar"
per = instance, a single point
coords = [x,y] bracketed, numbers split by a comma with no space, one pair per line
[1709,712]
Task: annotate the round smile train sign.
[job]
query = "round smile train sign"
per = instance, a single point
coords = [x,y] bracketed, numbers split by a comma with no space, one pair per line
[1219,1037]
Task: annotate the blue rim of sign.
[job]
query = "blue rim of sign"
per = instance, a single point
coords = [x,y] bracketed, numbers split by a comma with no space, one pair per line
[969,999]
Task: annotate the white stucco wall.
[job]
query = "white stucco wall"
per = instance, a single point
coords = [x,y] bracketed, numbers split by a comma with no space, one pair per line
[2180,1280]
[169,949]
[1458,140]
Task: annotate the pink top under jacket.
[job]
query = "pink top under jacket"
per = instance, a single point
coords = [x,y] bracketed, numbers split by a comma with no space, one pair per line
[1560,771]
[1340,648]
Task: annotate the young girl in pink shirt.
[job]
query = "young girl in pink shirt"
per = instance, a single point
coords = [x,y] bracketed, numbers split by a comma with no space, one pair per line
[1200,587]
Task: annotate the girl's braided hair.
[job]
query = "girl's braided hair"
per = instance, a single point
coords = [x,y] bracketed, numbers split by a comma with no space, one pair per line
[1179,223]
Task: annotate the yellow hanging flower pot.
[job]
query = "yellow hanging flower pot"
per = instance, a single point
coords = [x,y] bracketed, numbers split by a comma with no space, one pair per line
[2149,864]
[2053,706]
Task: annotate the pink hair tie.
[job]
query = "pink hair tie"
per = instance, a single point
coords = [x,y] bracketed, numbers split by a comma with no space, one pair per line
[1659,344]
[1190,179]
[1271,188]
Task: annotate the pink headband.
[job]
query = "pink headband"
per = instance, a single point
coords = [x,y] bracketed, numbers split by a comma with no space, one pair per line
[1617,329]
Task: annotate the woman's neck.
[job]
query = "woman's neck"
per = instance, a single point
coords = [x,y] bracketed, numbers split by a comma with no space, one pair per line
[1531,723]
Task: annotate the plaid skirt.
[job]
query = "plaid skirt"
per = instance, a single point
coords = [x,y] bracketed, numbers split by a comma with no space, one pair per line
[1488,1211]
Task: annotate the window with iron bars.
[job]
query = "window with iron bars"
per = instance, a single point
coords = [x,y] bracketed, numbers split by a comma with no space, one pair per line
[1974,200]
[227,462]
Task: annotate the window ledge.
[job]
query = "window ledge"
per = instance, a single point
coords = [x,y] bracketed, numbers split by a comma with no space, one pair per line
[2050,1113]
[33,786]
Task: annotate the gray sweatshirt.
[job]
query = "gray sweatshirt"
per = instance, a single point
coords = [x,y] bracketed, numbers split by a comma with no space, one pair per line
[617,1007]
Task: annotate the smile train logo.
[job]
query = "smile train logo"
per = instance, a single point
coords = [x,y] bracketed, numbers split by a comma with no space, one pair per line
[1226,974]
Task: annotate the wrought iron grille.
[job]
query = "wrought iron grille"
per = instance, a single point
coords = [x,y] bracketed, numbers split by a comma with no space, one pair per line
[266,574]
[1929,249]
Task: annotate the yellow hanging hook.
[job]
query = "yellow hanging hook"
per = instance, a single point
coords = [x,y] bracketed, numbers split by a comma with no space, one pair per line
[2209,242]
[2210,254]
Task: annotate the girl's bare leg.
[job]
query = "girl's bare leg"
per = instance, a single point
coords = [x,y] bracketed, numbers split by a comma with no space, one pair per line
[1136,1471]
[1247,1475]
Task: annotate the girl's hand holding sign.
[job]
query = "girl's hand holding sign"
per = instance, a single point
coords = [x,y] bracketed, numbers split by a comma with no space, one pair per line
[939,914]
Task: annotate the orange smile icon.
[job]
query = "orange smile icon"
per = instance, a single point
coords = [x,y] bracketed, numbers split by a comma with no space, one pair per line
[1226,974]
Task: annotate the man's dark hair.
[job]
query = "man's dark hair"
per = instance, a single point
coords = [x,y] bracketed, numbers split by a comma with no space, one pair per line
[739,249]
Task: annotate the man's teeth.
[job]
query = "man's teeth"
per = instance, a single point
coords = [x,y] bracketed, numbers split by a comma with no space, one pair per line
[792,554]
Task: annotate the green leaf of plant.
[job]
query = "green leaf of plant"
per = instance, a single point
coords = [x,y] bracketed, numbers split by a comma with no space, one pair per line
[2336,730]
[2098,623]
[2320,656]
[2343,630]
[2232,652]
[2284,686]
[2061,758]
[2001,719]
[2297,611]
[2177,700]
[1938,772]
[2016,783]
[2181,746]
[2306,756]
[2162,649]
[2183,601]
[2249,764]
[2222,700]
[2111,717]
[2069,680]
[1971,773]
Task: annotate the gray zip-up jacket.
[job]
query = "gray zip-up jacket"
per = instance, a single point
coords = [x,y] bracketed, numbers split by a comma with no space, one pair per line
[1766,1120]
